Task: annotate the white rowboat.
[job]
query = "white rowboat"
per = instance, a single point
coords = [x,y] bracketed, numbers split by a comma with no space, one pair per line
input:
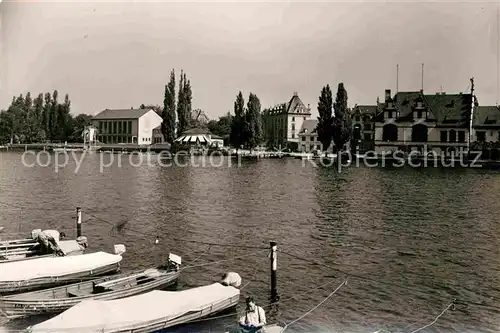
[45,272]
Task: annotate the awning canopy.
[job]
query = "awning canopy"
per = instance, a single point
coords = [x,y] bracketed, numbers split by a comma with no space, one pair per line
[193,138]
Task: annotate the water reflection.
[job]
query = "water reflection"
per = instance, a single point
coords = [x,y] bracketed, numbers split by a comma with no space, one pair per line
[418,237]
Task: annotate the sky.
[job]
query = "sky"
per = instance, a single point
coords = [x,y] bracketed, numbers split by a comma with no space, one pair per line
[119,54]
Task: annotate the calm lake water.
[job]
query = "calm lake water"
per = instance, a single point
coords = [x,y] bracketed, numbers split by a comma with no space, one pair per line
[410,240]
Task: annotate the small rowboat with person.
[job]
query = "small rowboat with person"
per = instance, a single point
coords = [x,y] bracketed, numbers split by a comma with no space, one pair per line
[59,299]
[46,272]
[26,248]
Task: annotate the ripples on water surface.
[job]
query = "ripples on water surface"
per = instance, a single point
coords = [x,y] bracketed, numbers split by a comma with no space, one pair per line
[420,237]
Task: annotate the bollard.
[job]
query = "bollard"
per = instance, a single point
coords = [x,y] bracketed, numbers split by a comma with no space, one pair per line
[274,268]
[78,222]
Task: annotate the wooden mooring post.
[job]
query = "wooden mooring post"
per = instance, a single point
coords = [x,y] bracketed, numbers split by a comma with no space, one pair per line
[274,268]
[78,221]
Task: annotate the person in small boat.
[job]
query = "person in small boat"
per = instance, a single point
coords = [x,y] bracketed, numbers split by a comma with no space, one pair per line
[254,319]
[49,241]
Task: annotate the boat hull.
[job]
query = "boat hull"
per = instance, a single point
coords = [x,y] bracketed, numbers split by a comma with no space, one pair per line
[160,325]
[96,316]
[18,306]
[12,287]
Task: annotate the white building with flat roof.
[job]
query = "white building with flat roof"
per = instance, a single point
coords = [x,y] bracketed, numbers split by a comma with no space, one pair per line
[126,126]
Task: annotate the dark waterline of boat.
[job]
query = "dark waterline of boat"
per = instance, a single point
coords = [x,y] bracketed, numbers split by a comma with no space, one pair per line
[420,237]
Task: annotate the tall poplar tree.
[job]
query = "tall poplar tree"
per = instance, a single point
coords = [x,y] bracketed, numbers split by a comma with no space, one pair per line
[325,119]
[181,124]
[168,124]
[341,121]
[253,128]
[236,136]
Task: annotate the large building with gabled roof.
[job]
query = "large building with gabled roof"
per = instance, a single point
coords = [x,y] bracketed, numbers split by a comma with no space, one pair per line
[281,124]
[412,120]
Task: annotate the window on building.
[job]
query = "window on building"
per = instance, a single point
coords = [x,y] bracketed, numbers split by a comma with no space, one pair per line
[101,126]
[305,118]
[481,136]
[453,136]
[358,118]
[312,138]
[461,136]
[114,127]
[303,138]
[119,127]
[419,133]
[368,136]
[368,127]
[444,136]
[390,133]
[319,147]
[293,118]
[129,127]
[293,127]
[419,114]
[389,114]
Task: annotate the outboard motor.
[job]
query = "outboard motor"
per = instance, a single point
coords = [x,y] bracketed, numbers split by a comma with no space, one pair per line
[174,262]
[231,279]
[82,241]
[119,249]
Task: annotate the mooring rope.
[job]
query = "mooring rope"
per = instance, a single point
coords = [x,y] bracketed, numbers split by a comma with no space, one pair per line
[317,306]
[437,318]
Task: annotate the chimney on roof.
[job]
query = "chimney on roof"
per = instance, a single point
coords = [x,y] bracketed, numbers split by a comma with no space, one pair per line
[295,94]
[387,95]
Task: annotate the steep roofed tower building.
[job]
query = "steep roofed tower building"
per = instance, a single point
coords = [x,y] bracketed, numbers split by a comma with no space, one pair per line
[282,123]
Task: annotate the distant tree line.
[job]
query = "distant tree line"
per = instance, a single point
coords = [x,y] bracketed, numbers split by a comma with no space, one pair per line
[43,119]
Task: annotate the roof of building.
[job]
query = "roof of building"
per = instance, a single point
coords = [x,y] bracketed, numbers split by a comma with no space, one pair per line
[450,108]
[293,106]
[487,116]
[309,126]
[444,109]
[216,137]
[370,110]
[121,114]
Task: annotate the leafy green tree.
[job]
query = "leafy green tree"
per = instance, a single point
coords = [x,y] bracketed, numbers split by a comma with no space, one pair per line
[53,115]
[168,115]
[341,120]
[79,124]
[221,127]
[325,119]
[253,123]
[236,137]
[5,127]
[46,115]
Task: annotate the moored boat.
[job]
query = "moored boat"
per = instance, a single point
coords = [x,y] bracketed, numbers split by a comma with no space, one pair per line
[24,250]
[17,249]
[59,299]
[164,309]
[46,272]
